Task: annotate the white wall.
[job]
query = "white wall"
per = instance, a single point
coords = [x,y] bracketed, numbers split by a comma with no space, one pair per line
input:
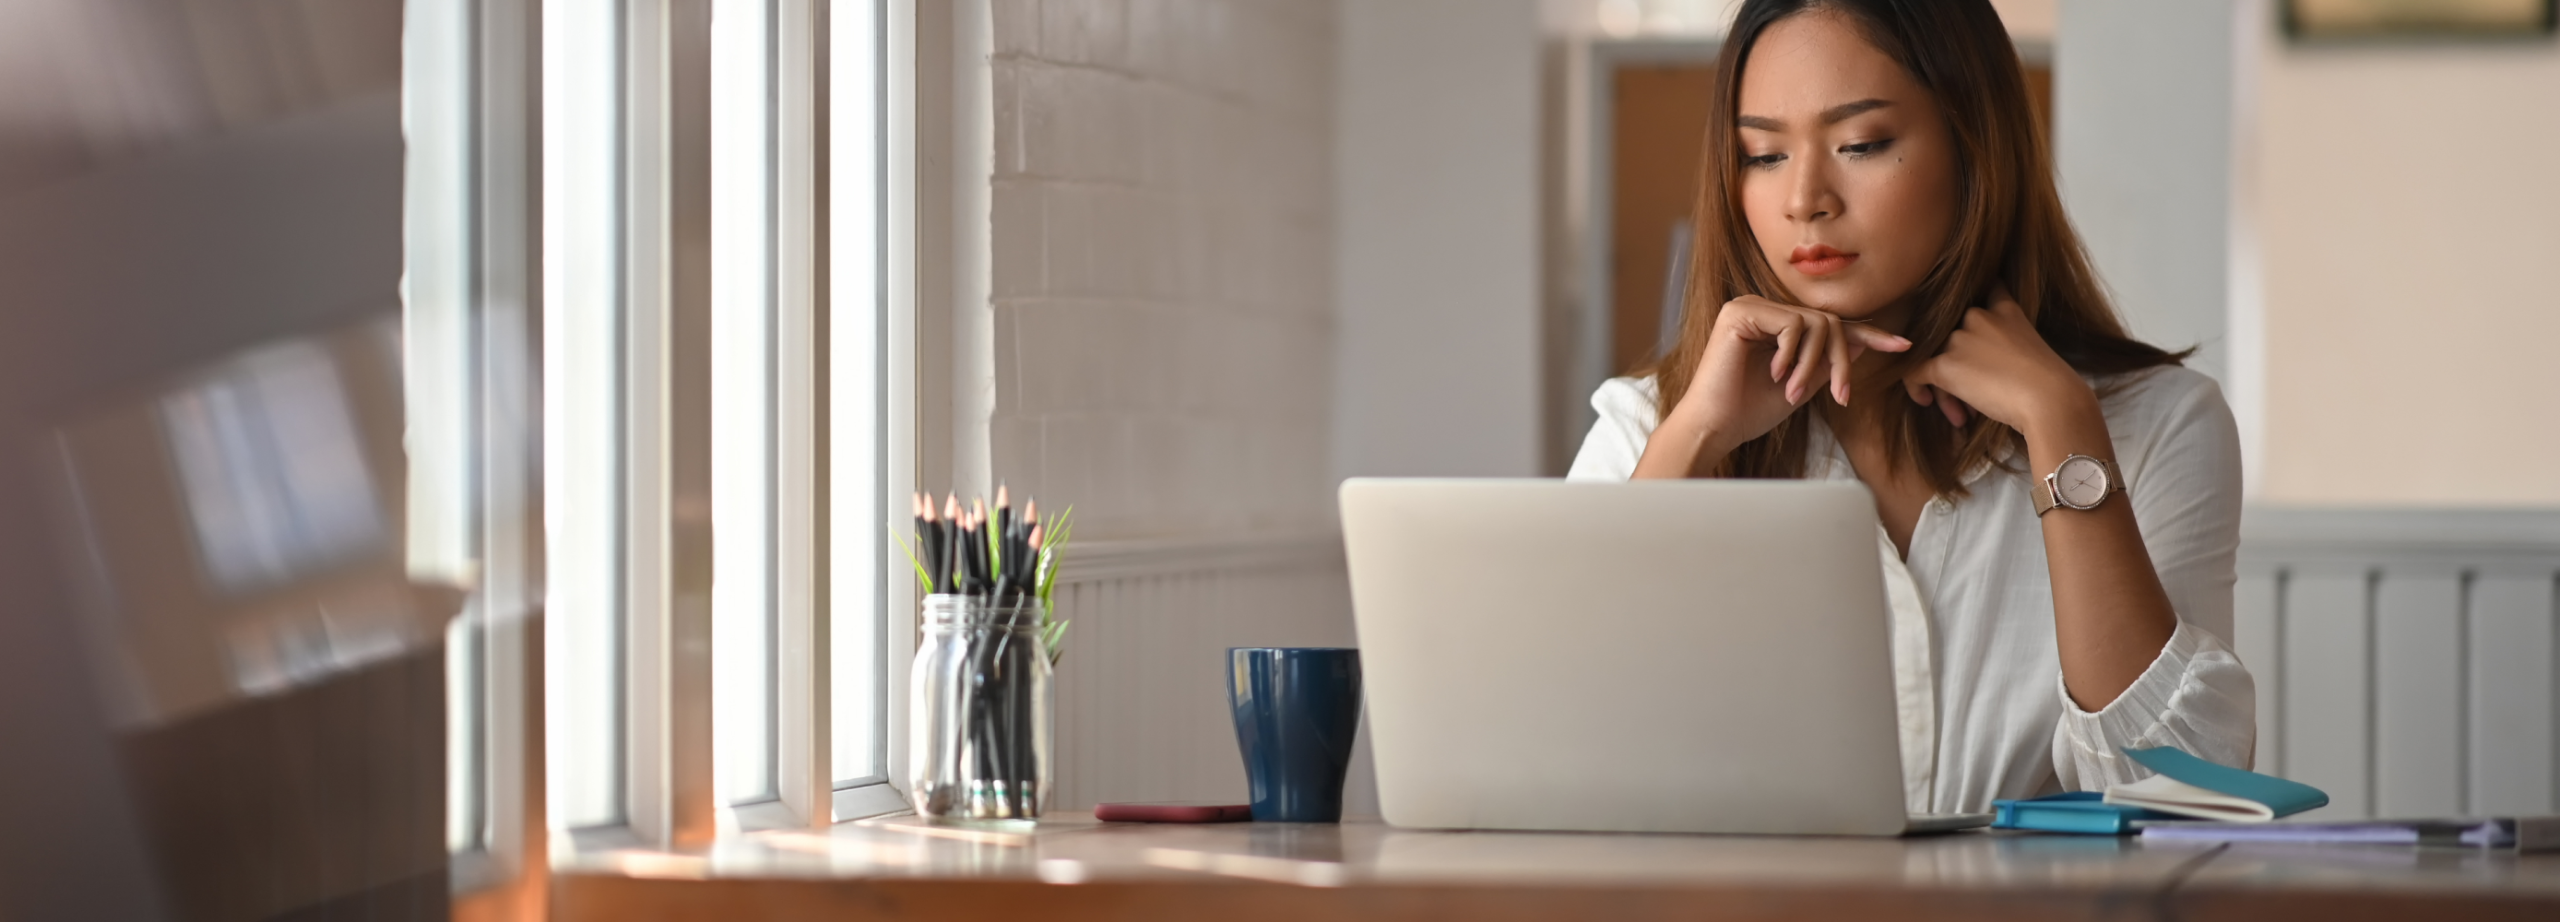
[2358,235]
[2410,211]
[1162,262]
[2142,137]
[1239,248]
[1161,271]
[1439,242]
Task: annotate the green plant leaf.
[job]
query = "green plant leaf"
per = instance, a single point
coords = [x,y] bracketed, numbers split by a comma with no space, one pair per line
[923,578]
[1046,577]
[1054,636]
[1055,533]
[1064,529]
[995,550]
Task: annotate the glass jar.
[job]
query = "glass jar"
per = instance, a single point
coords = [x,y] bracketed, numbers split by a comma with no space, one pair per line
[980,711]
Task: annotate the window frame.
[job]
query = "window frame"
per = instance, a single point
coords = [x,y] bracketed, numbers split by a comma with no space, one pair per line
[471,308]
[834,301]
[491,68]
[912,85]
[842,365]
[872,184]
[771,360]
[611,542]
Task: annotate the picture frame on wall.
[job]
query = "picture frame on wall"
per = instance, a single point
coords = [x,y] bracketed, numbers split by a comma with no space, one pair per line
[2362,20]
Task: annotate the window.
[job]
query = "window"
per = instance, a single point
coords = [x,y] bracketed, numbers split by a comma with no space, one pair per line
[799,448]
[858,402]
[784,465]
[714,657]
[470,326]
[800,676]
[599,379]
[761,370]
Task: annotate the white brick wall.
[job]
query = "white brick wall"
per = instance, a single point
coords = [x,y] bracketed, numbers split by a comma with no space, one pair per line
[1162,262]
[1162,283]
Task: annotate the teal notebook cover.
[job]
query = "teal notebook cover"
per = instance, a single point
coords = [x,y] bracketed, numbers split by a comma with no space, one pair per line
[2079,812]
[2284,797]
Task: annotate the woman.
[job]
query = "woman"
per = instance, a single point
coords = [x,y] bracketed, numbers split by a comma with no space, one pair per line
[1885,287]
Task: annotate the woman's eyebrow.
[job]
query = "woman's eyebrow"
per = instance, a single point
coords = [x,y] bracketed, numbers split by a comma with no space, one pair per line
[1830,116]
[1833,115]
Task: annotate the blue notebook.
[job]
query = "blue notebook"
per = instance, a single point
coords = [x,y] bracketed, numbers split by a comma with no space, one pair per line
[2184,787]
[2189,786]
[2085,812]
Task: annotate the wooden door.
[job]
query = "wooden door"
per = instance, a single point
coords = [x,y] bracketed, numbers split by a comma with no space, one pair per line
[1658,120]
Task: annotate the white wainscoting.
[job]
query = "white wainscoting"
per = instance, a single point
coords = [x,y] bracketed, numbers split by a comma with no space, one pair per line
[2406,660]
[1142,703]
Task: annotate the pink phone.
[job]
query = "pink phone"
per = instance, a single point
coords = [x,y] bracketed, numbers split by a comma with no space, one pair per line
[1172,813]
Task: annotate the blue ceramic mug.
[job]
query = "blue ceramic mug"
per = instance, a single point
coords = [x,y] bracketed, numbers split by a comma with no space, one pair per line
[1296,709]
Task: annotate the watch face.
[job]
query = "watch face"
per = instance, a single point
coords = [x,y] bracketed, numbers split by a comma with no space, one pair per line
[2081,482]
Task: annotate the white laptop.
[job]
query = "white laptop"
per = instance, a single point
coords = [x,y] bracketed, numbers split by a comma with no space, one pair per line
[1679,656]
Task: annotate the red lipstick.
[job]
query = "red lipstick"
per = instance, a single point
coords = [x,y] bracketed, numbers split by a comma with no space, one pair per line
[1820,260]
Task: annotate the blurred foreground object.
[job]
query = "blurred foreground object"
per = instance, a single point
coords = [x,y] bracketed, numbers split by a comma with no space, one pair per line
[275,681]
[215,709]
[233,532]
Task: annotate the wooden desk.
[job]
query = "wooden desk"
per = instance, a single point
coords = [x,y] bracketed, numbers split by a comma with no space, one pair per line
[1080,870]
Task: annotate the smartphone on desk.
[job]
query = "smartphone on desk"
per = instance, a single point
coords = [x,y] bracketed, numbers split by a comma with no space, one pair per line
[1174,812]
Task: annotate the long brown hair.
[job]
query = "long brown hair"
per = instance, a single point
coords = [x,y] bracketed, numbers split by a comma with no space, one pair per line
[2010,228]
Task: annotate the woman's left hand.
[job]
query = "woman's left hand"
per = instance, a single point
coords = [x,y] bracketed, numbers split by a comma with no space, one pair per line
[1998,365]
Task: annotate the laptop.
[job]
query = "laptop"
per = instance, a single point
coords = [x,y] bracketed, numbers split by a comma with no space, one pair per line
[1678,656]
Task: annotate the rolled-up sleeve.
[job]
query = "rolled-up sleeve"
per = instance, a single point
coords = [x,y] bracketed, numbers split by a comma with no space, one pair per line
[2196,696]
[2183,477]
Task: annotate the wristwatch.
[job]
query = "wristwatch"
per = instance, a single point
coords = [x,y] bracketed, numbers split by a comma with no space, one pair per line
[2079,482]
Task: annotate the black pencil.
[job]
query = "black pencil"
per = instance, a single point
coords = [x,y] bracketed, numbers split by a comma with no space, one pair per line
[982,581]
[954,521]
[960,553]
[942,526]
[981,563]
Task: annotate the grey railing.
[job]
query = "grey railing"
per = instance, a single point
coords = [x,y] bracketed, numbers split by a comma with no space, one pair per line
[2407,661]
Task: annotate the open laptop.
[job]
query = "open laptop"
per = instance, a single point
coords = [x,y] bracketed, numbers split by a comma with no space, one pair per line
[1682,656]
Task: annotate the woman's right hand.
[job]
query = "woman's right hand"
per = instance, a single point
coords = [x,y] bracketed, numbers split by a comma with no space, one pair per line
[1764,359]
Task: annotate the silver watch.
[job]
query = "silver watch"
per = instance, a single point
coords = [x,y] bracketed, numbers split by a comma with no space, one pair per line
[2079,482]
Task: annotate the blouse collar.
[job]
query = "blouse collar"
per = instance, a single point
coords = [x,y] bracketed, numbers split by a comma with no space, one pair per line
[1825,459]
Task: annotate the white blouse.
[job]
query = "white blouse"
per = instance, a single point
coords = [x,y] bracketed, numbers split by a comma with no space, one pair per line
[1977,677]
